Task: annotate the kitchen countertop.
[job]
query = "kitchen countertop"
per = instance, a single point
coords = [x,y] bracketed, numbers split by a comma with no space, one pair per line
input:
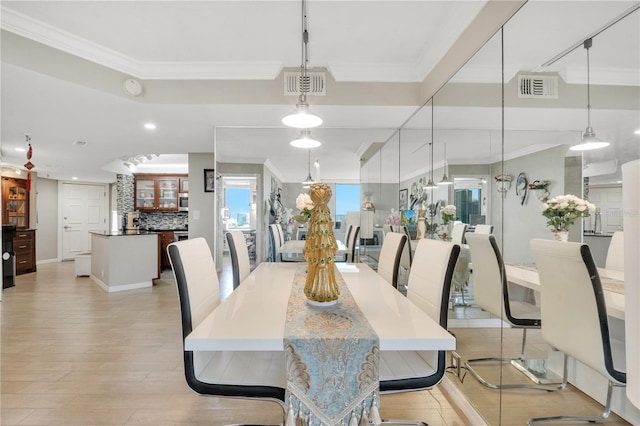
[123,233]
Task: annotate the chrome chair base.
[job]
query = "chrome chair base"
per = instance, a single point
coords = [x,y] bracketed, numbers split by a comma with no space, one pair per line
[536,370]
[403,422]
[549,387]
[590,419]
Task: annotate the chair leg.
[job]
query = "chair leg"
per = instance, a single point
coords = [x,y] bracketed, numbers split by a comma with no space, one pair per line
[403,422]
[590,419]
[533,369]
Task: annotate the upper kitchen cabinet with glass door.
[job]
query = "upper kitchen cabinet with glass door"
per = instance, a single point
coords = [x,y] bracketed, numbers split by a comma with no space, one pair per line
[15,202]
[156,192]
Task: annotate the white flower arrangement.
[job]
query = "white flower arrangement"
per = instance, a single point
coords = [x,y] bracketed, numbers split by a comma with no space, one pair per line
[305,205]
[562,211]
[448,213]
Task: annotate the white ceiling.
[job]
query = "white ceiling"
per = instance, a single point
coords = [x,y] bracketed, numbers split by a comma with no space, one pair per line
[211,71]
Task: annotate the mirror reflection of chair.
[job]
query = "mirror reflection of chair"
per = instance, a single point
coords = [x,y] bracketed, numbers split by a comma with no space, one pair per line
[240,265]
[351,242]
[457,234]
[491,293]
[219,373]
[275,243]
[615,253]
[484,229]
[429,284]
[574,316]
[390,253]
[386,228]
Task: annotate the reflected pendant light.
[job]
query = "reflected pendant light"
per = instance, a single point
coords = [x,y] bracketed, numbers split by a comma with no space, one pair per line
[445,179]
[430,184]
[589,139]
[306,183]
[303,118]
[305,140]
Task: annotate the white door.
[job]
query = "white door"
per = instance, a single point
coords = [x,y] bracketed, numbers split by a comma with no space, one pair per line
[83,211]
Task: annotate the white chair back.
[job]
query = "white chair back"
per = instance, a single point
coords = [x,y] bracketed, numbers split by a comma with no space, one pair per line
[351,243]
[487,279]
[386,228]
[195,271]
[407,254]
[390,254]
[433,266]
[275,243]
[280,234]
[457,234]
[573,307]
[615,254]
[239,257]
[484,229]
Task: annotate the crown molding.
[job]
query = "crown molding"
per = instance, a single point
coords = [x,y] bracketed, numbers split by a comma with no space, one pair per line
[51,36]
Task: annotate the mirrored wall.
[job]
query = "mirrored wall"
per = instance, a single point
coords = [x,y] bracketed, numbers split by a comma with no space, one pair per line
[500,131]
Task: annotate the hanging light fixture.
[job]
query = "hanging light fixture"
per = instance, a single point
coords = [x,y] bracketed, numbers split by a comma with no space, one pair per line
[305,140]
[306,183]
[430,184]
[445,179]
[589,139]
[302,118]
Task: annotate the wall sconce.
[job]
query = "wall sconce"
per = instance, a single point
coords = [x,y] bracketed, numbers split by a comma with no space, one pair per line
[503,183]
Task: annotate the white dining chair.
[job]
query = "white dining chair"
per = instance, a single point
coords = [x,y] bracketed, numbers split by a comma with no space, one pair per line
[615,253]
[240,265]
[484,229]
[574,317]
[219,373]
[491,293]
[351,242]
[390,253]
[457,234]
[429,286]
[275,243]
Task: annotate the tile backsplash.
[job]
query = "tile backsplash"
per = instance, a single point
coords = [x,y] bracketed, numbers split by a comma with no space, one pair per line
[177,220]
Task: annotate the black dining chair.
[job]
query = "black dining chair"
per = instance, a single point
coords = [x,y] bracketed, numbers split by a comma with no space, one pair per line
[429,287]
[219,373]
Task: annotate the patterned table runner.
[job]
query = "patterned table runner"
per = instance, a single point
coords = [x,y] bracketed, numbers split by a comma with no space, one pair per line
[332,356]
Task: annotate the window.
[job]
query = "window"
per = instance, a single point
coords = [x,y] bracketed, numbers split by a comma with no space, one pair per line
[347,199]
[238,201]
[468,204]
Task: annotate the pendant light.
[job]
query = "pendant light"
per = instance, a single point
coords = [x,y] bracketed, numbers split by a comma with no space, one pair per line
[306,183]
[302,118]
[445,179]
[305,140]
[430,184]
[589,139]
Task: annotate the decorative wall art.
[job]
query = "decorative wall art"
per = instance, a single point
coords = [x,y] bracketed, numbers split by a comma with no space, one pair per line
[209,180]
[522,184]
[403,202]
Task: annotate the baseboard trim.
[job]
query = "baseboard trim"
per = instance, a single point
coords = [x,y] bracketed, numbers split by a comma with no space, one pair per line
[43,261]
[458,399]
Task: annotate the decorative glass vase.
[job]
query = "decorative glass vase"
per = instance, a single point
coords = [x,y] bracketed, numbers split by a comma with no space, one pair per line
[560,235]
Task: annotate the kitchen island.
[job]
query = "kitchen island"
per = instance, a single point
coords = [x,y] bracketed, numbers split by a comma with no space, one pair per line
[124,261]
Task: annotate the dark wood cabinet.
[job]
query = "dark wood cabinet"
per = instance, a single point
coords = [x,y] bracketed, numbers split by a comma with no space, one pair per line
[166,238]
[15,202]
[24,246]
[157,193]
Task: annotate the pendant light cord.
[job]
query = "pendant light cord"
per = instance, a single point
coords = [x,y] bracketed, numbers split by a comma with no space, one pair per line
[587,45]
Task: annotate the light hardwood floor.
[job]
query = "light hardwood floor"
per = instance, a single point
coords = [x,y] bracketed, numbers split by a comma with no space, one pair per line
[73,354]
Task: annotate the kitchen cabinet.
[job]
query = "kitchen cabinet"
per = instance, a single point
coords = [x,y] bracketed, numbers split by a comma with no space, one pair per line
[15,202]
[24,246]
[166,238]
[159,193]
[184,185]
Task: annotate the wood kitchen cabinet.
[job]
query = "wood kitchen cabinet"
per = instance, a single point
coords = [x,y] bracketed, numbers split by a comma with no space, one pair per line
[15,202]
[166,238]
[24,246]
[154,192]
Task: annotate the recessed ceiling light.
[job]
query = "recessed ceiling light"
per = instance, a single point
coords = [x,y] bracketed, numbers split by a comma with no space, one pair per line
[20,149]
[637,132]
[149,126]
[74,178]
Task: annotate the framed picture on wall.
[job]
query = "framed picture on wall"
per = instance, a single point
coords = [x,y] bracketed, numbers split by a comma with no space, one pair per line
[404,199]
[209,180]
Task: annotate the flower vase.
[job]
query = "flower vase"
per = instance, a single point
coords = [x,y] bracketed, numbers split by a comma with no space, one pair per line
[559,235]
[421,228]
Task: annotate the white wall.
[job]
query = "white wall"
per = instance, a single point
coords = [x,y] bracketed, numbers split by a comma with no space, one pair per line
[46,207]
[201,204]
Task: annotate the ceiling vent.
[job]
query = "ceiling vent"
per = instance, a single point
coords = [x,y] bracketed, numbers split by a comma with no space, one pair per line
[538,86]
[314,84]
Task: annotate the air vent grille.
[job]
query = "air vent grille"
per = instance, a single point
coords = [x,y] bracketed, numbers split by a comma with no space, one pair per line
[314,84]
[537,86]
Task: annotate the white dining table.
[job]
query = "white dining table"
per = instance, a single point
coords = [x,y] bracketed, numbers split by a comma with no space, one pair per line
[253,317]
[295,247]
[612,283]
